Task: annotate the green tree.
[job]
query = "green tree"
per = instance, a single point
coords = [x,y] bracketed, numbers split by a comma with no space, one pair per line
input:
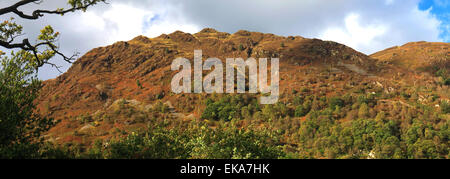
[363,111]
[19,125]
[241,47]
[138,83]
[445,107]
[335,102]
[300,111]
[380,116]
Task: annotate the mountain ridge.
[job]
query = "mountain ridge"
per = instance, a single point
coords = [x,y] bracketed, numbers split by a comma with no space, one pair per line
[138,72]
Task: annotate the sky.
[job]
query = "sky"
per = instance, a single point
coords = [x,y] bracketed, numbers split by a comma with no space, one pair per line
[367,26]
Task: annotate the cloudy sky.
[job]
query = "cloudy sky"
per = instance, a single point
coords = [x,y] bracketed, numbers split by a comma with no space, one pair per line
[367,26]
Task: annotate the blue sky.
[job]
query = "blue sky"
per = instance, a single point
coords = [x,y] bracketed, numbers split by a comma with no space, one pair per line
[441,9]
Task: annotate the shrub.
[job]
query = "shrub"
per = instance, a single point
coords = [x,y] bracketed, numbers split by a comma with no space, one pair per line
[138,83]
[445,107]
[241,47]
[335,102]
[363,111]
[300,111]
[229,107]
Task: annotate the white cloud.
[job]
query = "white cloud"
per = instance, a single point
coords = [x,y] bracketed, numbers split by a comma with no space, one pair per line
[127,21]
[353,34]
[89,20]
[370,34]
[123,22]
[168,20]
[367,26]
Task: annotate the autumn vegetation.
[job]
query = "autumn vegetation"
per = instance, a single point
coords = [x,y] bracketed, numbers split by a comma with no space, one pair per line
[115,101]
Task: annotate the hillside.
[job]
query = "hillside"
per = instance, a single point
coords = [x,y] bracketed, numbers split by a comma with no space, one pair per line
[420,56]
[114,90]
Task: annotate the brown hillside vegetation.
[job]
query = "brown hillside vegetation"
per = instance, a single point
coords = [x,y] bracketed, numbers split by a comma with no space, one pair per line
[421,56]
[117,88]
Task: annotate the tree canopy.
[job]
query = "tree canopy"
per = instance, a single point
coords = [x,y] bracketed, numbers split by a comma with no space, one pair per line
[20,124]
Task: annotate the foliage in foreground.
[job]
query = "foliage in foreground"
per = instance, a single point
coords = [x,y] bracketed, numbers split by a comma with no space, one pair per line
[354,125]
[194,140]
[351,126]
[20,126]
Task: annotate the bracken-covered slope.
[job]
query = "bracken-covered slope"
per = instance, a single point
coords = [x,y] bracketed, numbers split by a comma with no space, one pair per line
[138,73]
[420,56]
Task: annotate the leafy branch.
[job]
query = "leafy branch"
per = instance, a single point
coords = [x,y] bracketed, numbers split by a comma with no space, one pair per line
[45,47]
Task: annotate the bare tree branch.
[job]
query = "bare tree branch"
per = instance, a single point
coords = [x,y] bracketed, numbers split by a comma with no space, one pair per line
[15,6]
[36,14]
[39,13]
